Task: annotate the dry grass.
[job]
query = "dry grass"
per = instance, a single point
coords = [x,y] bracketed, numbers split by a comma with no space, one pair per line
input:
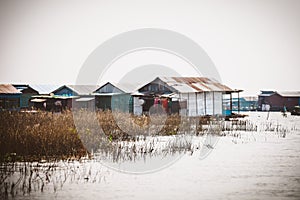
[36,136]
[45,135]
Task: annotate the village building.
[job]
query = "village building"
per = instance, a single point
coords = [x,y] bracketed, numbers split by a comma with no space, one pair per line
[54,98]
[248,103]
[278,101]
[9,97]
[26,93]
[190,96]
[76,96]
[43,98]
[118,97]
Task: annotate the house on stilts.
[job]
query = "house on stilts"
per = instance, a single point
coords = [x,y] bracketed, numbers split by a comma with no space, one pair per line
[188,96]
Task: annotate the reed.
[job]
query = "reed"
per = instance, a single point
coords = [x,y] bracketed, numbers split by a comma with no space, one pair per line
[36,136]
[33,136]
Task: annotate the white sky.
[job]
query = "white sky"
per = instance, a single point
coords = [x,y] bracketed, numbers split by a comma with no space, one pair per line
[254,44]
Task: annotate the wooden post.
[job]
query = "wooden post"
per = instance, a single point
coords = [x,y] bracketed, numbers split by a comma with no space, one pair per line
[238,102]
[230,103]
[213,93]
[188,104]
[196,105]
[204,103]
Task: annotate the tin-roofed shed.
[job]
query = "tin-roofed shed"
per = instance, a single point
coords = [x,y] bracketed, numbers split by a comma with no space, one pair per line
[116,96]
[9,97]
[77,96]
[277,100]
[196,96]
[26,93]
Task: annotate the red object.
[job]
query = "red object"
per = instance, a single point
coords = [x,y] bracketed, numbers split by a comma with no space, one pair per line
[164,103]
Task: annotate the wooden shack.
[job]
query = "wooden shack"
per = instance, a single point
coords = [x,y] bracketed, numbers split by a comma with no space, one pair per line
[277,100]
[9,97]
[77,96]
[193,96]
[26,94]
[115,96]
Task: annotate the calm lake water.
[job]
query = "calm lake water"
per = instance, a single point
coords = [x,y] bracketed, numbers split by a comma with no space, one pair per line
[259,165]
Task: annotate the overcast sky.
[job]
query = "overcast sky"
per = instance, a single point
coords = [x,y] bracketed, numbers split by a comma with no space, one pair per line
[254,44]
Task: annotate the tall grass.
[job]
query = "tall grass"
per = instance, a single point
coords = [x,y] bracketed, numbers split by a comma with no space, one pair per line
[40,135]
[45,135]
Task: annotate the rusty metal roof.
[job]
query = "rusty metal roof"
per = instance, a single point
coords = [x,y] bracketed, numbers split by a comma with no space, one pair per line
[195,84]
[8,89]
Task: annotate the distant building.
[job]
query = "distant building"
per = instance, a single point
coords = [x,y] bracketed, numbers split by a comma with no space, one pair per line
[244,103]
[26,93]
[43,100]
[9,97]
[76,96]
[191,96]
[276,101]
[249,103]
[118,96]
[64,97]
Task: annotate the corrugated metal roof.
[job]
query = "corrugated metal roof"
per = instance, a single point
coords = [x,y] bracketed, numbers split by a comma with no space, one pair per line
[265,95]
[79,89]
[108,88]
[126,87]
[38,100]
[195,84]
[123,87]
[83,89]
[281,93]
[183,88]
[289,93]
[8,89]
[85,99]
[178,86]
[44,88]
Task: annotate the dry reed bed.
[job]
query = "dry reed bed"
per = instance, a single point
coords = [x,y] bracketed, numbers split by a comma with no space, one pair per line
[38,135]
[46,135]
